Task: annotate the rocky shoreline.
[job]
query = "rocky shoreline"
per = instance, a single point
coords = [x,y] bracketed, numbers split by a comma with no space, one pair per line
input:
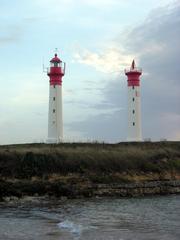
[56,189]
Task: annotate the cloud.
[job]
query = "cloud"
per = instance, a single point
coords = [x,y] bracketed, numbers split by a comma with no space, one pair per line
[111,60]
[97,3]
[102,127]
[11,34]
[156,45]
[103,3]
[149,38]
[69,3]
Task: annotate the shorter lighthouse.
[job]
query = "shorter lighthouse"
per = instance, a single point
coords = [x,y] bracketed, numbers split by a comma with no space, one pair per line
[134,103]
[55,115]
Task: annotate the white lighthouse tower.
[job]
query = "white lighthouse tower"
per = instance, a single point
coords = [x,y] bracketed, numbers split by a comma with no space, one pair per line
[55,116]
[134,103]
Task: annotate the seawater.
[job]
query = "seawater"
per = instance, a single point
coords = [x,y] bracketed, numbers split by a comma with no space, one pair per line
[150,218]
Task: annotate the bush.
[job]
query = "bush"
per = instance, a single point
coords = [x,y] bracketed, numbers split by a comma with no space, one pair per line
[41,160]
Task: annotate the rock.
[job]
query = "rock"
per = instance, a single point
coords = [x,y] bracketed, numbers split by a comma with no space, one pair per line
[13,198]
[63,198]
[7,199]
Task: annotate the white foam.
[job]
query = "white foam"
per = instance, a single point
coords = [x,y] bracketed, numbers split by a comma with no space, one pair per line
[75,229]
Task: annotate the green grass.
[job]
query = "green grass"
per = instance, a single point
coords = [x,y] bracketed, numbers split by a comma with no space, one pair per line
[42,160]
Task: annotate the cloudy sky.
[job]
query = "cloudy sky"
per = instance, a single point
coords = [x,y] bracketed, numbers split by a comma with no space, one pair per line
[97,39]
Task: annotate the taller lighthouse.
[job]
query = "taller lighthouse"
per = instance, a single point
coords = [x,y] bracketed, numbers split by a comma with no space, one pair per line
[55,115]
[134,103]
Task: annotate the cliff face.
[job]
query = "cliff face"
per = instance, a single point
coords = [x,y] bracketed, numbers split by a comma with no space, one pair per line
[87,170]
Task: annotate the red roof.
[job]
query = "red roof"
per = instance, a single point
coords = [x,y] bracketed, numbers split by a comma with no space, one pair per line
[55,59]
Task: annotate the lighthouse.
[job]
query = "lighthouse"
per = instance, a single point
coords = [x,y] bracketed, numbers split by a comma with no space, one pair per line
[134,103]
[55,115]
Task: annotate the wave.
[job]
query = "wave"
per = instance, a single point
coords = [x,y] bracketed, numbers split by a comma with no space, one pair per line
[73,228]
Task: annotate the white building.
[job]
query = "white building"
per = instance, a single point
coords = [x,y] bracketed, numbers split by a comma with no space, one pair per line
[134,104]
[55,115]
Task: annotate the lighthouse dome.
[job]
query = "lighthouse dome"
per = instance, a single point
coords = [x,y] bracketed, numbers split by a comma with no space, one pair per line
[55,59]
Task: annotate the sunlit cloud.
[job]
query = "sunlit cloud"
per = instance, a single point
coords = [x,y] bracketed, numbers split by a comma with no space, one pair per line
[111,60]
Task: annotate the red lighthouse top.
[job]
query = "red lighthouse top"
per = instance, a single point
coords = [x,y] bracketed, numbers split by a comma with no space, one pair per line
[133,75]
[55,59]
[56,71]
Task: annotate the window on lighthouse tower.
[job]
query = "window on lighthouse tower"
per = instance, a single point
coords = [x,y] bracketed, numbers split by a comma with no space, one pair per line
[55,64]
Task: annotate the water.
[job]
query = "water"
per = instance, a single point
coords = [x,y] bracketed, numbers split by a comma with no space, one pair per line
[98,219]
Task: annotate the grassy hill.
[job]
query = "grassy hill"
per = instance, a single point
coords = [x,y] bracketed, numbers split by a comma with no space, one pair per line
[85,169]
[44,161]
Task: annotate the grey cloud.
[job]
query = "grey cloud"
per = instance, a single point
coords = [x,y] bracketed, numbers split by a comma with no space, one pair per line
[11,35]
[85,104]
[103,105]
[161,88]
[109,126]
[103,127]
[157,42]
[14,33]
